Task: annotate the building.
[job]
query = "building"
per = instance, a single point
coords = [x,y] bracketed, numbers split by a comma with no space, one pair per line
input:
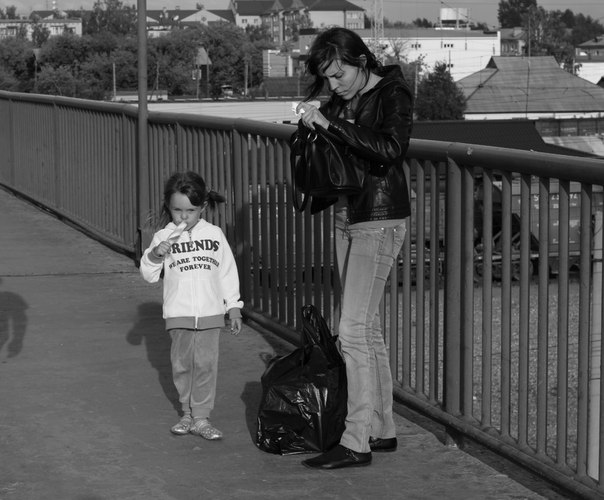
[280,15]
[10,28]
[513,42]
[589,58]
[532,88]
[160,22]
[276,64]
[464,51]
[325,13]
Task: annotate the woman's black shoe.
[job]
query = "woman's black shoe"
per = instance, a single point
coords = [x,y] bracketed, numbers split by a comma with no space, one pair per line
[338,458]
[382,445]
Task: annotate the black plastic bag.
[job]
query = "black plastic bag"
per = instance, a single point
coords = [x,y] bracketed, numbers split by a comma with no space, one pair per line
[304,394]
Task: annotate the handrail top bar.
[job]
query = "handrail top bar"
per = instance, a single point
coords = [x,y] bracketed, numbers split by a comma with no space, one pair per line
[588,170]
[243,125]
[278,130]
[89,104]
[567,167]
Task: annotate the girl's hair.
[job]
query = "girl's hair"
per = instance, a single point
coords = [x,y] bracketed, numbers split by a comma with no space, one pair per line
[193,187]
[337,44]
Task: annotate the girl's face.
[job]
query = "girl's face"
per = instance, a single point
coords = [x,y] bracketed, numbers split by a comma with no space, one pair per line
[344,79]
[181,210]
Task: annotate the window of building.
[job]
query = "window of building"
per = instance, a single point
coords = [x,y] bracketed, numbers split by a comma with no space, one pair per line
[416,45]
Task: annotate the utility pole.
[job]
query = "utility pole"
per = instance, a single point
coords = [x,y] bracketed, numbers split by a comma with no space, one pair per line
[114,83]
[142,170]
[416,79]
[377,30]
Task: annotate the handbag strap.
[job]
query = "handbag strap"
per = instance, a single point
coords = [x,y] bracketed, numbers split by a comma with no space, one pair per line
[310,136]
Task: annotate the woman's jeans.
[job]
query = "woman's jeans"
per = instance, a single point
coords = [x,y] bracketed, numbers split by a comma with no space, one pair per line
[365,257]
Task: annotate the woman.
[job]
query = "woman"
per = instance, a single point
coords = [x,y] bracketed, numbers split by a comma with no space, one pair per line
[371,109]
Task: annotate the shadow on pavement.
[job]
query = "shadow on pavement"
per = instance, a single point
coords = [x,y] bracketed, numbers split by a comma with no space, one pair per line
[150,330]
[13,322]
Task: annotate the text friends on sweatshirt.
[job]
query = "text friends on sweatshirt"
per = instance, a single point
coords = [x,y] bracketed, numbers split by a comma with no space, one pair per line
[191,262]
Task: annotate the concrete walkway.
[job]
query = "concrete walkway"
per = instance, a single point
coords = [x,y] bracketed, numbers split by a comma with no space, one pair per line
[86,397]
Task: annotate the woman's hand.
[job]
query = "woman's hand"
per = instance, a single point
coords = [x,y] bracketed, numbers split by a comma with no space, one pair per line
[311,115]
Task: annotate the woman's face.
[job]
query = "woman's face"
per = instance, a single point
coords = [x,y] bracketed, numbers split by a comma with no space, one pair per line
[344,79]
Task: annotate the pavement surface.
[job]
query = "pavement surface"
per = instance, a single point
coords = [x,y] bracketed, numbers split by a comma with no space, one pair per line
[87,401]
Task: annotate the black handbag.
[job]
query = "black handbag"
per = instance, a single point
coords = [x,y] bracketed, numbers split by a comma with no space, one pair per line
[323,166]
[304,394]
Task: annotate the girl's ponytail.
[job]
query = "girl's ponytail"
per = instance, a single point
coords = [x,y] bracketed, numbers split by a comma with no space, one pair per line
[213,198]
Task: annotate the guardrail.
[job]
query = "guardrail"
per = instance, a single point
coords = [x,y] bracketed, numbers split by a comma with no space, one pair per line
[491,330]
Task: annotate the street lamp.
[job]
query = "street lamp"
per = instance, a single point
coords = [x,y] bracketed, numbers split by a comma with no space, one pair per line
[36,61]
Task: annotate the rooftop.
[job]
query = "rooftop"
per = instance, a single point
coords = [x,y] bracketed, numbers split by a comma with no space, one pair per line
[514,134]
[529,85]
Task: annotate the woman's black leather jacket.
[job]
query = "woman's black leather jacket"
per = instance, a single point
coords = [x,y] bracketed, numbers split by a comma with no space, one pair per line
[380,133]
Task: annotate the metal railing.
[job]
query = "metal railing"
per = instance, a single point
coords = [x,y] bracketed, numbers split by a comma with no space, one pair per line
[492,316]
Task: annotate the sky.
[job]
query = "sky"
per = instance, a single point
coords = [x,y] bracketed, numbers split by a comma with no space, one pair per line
[394,10]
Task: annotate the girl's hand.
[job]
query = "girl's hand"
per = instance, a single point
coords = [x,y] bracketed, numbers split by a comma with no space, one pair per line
[311,115]
[236,324]
[161,250]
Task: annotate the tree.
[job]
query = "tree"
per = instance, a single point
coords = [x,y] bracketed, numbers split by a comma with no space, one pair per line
[96,77]
[259,34]
[9,13]
[293,26]
[57,81]
[17,59]
[423,23]
[40,34]
[398,47]
[8,82]
[396,24]
[64,50]
[548,35]
[171,61]
[482,26]
[439,97]
[85,66]
[112,16]
[584,29]
[226,45]
[510,13]
[106,43]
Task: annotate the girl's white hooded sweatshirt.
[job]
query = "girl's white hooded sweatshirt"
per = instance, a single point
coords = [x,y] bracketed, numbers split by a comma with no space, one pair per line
[201,283]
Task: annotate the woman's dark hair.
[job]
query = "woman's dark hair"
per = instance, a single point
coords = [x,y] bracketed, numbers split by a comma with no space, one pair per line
[336,44]
[193,187]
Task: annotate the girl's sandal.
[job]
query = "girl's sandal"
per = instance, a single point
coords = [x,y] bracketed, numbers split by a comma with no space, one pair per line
[183,427]
[202,427]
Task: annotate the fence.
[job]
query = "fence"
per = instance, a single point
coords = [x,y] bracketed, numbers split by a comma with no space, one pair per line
[486,335]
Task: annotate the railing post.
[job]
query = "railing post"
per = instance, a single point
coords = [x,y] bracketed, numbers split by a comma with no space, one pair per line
[594,433]
[240,234]
[452,305]
[11,154]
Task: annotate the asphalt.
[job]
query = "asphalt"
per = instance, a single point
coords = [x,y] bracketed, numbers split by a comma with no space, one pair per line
[87,401]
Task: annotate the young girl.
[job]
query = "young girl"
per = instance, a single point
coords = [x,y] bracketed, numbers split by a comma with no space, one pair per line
[201,284]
